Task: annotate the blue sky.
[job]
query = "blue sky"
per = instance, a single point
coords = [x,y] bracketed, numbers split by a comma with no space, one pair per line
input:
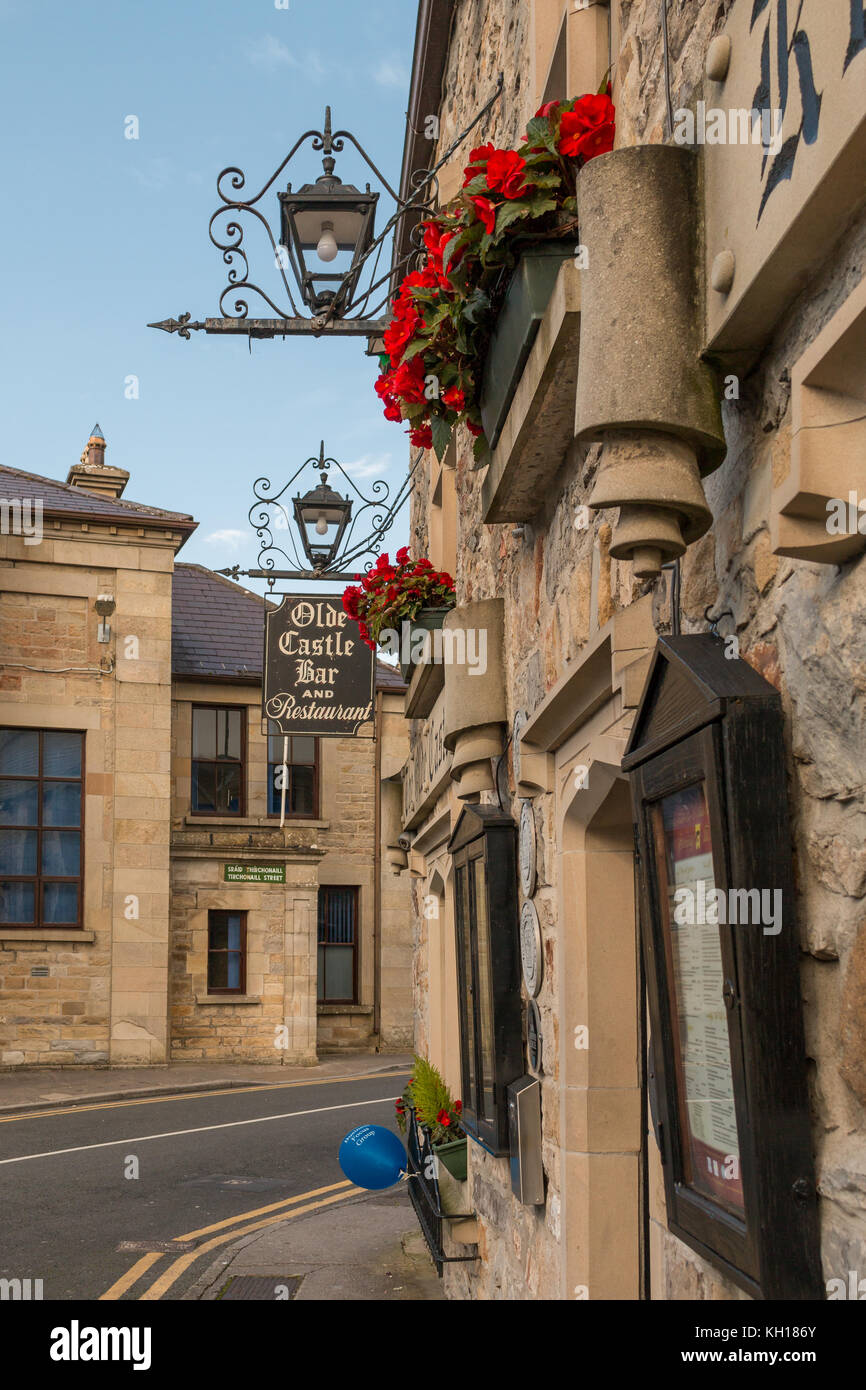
[103,234]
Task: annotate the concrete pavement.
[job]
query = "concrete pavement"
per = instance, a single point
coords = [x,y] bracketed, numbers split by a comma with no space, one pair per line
[368,1249]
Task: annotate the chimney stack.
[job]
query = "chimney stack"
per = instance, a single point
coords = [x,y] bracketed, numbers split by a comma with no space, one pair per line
[93,474]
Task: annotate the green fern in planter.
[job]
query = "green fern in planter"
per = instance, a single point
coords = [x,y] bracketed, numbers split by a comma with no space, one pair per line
[433,1104]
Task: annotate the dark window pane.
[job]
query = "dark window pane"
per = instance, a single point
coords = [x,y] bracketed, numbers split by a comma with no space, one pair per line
[204,743]
[203,787]
[320,992]
[60,903]
[61,755]
[228,734]
[228,788]
[19,752]
[17,902]
[217,971]
[303,787]
[303,750]
[19,803]
[219,932]
[485,988]
[234,970]
[61,803]
[18,851]
[338,971]
[61,853]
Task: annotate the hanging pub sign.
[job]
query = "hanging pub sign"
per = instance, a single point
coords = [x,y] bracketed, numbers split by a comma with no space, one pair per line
[318,672]
[706,762]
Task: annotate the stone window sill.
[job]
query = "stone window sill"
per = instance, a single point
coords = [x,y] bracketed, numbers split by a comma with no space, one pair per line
[540,425]
[425,687]
[228,999]
[344,1008]
[11,938]
[252,823]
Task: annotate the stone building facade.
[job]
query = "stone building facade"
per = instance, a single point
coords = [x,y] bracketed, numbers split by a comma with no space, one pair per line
[172,917]
[773,318]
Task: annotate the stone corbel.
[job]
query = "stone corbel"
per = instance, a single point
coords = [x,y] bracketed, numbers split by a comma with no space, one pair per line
[391,794]
[818,511]
[536,771]
[642,388]
[475,707]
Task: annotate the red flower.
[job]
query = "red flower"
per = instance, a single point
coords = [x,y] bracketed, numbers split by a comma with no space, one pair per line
[547,108]
[479,155]
[505,170]
[407,382]
[473,428]
[458,1106]
[454,398]
[443,1118]
[422,565]
[486,212]
[421,437]
[350,600]
[589,129]
[402,556]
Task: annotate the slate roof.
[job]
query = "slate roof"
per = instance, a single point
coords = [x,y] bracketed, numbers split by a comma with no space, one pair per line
[217,630]
[62,499]
[217,627]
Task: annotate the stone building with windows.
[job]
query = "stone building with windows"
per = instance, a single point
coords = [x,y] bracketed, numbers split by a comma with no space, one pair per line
[680,454]
[151,905]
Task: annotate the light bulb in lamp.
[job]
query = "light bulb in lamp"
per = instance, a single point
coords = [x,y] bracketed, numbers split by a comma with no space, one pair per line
[326,248]
[321,525]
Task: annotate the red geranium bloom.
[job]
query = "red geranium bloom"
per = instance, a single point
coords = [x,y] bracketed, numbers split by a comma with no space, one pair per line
[486,212]
[454,399]
[443,1117]
[505,169]
[458,1106]
[402,555]
[407,381]
[421,437]
[479,155]
[589,129]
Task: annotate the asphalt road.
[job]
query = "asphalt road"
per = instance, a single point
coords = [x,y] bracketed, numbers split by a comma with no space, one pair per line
[66,1202]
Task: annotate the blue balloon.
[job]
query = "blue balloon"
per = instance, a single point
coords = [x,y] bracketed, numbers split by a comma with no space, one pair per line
[372,1157]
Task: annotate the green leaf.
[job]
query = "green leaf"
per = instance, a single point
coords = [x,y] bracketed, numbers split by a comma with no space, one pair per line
[476,306]
[415,346]
[541,204]
[540,132]
[479,448]
[511,212]
[441,435]
[477,185]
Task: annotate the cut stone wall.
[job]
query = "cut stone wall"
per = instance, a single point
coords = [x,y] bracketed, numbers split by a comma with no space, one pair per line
[803,626]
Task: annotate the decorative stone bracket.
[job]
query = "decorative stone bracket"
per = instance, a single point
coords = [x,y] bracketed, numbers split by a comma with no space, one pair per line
[642,388]
[392,809]
[815,511]
[475,708]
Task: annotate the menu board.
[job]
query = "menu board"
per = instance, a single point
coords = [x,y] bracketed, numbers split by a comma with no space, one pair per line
[704,1074]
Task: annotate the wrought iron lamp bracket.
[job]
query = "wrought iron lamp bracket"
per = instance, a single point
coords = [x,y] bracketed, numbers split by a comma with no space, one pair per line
[355,318]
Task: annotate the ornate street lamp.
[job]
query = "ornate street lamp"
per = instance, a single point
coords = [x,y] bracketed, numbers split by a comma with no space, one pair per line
[322,516]
[324,521]
[318,222]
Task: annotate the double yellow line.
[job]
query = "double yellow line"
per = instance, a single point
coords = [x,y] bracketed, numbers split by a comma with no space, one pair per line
[239,1226]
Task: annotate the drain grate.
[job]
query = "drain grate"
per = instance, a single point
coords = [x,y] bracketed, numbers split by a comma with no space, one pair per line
[157,1247]
[274,1289]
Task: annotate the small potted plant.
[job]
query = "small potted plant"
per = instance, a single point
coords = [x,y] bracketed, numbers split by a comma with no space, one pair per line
[435,1109]
[396,602]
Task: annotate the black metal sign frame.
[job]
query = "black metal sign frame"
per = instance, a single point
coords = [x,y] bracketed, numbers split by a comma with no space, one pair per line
[318,674]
